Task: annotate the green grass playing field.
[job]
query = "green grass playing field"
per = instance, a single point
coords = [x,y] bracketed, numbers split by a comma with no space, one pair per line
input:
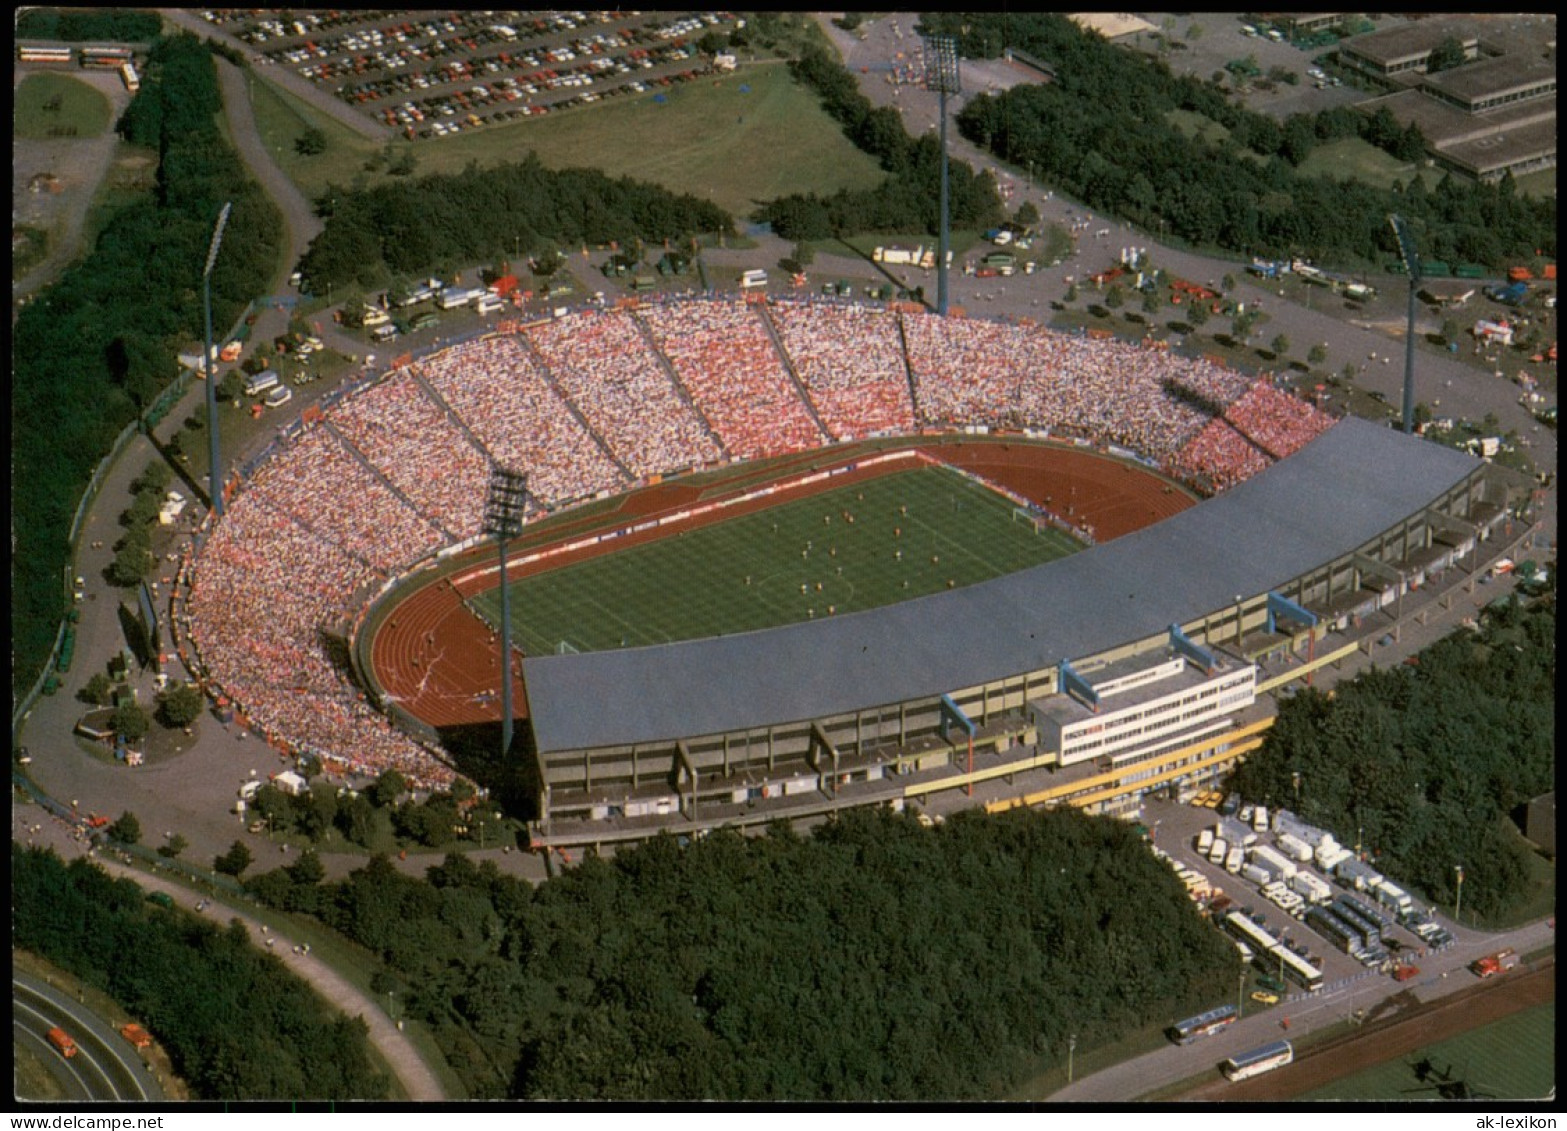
[1511,1059]
[784,564]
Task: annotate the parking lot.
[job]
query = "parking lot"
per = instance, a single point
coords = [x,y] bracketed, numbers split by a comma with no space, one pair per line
[1175,829]
[456,71]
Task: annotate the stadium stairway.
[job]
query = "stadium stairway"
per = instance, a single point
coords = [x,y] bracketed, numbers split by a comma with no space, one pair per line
[788,363]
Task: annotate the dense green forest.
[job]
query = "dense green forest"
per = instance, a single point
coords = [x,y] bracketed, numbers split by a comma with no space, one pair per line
[94,350]
[237,1025]
[909,200]
[444,223]
[1099,131]
[1425,762]
[75,25]
[876,960]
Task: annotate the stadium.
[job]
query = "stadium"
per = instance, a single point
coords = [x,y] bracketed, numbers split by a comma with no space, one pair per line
[784,557]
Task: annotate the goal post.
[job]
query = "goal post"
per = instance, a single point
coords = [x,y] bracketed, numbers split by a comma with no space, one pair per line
[1027,516]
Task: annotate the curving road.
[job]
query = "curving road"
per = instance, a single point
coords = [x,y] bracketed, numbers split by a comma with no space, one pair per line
[105,1066]
[415,1076]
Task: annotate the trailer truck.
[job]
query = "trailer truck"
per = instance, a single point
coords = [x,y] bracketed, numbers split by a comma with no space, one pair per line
[61,1040]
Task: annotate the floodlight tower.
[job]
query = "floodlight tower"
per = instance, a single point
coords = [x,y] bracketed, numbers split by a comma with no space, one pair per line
[941,76]
[1411,258]
[503,519]
[215,471]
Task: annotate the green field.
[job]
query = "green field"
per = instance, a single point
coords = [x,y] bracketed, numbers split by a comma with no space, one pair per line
[747,573]
[1512,1059]
[51,105]
[709,138]
[1350,157]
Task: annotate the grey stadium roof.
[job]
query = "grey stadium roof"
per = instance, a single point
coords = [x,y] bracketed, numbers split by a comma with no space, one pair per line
[1340,491]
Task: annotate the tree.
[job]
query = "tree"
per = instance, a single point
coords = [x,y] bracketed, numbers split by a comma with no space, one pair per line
[1450,330]
[172,847]
[181,705]
[308,869]
[1228,282]
[403,164]
[1027,215]
[311,142]
[803,254]
[234,861]
[1115,297]
[1071,292]
[387,788]
[232,386]
[1197,312]
[1445,55]
[126,830]
[1317,354]
[1280,345]
[1151,301]
[130,566]
[131,722]
[98,690]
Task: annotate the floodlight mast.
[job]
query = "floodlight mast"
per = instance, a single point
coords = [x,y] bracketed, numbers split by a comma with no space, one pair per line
[1411,258]
[503,510]
[941,76]
[215,468]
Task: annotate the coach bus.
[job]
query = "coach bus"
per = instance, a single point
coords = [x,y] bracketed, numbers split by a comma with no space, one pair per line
[109,58]
[129,77]
[1258,1061]
[44,54]
[1203,1025]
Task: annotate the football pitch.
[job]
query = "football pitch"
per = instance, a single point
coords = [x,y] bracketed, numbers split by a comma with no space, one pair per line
[912,533]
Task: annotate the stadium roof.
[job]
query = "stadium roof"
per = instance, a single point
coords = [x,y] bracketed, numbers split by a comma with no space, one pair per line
[1337,493]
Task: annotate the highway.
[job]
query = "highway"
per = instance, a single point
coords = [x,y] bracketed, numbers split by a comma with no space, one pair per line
[105,1068]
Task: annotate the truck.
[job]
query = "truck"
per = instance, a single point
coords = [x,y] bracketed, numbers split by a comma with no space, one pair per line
[1274,861]
[1510,295]
[61,1040]
[1313,888]
[1500,962]
[1394,898]
[1295,848]
[1405,972]
[161,898]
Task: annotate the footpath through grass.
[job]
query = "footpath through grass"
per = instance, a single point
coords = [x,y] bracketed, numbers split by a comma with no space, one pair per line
[913,533]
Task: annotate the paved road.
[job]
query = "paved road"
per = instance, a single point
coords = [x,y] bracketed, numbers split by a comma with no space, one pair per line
[105,1066]
[1442,974]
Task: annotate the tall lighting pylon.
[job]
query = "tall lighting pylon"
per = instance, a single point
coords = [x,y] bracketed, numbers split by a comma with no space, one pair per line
[503,520]
[215,471]
[1411,258]
[941,76]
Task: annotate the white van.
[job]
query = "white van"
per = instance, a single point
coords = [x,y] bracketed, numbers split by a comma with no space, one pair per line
[261,383]
[489,304]
[279,396]
[754,278]
[383,333]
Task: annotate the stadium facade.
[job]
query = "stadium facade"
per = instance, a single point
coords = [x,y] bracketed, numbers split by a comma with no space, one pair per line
[1158,642]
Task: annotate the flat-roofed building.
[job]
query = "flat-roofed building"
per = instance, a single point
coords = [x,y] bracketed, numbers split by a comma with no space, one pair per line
[1490,83]
[1406,47]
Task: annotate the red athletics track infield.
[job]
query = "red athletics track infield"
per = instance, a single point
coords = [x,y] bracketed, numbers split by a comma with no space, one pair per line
[442,664]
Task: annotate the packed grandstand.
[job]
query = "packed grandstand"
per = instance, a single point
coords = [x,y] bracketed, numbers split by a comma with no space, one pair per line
[595,402]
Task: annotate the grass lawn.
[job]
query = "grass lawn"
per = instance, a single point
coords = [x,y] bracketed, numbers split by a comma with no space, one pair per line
[748,573]
[79,110]
[1512,1059]
[709,139]
[1350,157]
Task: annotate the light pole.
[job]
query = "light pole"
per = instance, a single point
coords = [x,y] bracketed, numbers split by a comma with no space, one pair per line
[1458,904]
[1071,1049]
[1240,997]
[503,519]
[941,76]
[215,470]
